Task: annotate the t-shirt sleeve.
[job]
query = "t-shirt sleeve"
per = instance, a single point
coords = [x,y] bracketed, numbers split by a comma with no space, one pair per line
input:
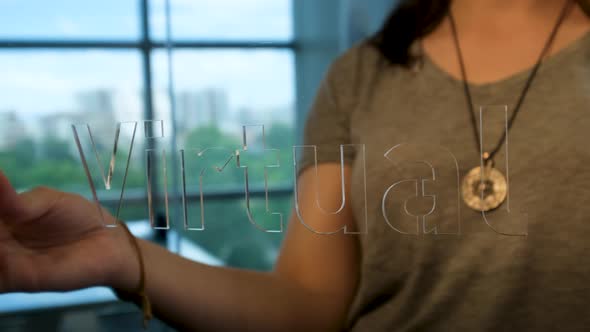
[327,126]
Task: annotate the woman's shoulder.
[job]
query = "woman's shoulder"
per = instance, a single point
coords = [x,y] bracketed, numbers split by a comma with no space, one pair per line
[357,72]
[362,59]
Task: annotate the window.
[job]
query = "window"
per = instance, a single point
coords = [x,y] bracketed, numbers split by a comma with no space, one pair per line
[68,62]
[69,20]
[245,20]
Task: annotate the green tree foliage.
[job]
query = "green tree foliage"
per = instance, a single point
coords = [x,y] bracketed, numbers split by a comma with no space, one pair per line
[229,233]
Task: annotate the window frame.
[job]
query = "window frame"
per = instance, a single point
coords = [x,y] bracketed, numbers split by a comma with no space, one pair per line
[146,45]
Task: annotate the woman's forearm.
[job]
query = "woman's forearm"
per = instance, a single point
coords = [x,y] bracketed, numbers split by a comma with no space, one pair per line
[193,296]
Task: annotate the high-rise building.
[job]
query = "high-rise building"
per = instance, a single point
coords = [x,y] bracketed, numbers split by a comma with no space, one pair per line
[96,108]
[59,125]
[12,129]
[95,101]
[206,107]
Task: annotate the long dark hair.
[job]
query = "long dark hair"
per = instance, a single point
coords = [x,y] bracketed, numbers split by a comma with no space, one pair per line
[409,20]
[414,19]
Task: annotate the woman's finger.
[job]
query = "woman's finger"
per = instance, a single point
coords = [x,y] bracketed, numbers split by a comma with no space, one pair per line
[30,205]
[10,204]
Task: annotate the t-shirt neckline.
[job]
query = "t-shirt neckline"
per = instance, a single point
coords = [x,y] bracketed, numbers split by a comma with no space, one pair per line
[519,76]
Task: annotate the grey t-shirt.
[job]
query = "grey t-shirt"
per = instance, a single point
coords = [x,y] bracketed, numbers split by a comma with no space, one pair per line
[456,269]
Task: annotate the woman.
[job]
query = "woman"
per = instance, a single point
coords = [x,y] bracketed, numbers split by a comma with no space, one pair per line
[406,85]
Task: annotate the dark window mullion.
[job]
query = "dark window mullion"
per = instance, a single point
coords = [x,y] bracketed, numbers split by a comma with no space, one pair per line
[67,44]
[143,43]
[248,44]
[146,45]
[146,53]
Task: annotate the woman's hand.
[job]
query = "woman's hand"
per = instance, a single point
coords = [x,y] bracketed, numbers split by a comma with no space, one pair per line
[54,241]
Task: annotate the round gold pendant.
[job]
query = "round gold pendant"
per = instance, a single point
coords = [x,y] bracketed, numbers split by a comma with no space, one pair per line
[484,190]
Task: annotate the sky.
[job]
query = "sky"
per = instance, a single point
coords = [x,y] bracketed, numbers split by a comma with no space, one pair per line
[235,19]
[35,82]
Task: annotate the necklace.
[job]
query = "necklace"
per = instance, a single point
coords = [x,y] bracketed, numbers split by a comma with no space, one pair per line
[485,188]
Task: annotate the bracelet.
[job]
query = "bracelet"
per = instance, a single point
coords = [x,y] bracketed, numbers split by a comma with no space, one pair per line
[139,297]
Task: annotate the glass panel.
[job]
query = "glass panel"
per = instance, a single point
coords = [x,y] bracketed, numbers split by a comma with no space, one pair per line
[230,238]
[224,19]
[43,93]
[217,92]
[69,19]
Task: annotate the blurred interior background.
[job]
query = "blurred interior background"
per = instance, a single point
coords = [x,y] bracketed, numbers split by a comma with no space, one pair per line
[197,71]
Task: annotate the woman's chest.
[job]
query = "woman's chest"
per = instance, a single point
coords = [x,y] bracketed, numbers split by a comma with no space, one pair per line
[420,143]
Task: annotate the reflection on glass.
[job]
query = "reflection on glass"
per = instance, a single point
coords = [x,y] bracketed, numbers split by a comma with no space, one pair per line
[224,19]
[494,134]
[106,178]
[264,161]
[425,199]
[200,169]
[69,19]
[309,153]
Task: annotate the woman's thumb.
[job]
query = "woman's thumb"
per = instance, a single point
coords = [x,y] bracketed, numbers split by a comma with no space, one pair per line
[10,204]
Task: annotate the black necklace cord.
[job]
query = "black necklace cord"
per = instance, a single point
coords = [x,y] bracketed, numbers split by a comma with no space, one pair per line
[470,107]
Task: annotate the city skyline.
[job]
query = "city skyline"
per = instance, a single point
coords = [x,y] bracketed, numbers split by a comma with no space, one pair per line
[38,82]
[101,109]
